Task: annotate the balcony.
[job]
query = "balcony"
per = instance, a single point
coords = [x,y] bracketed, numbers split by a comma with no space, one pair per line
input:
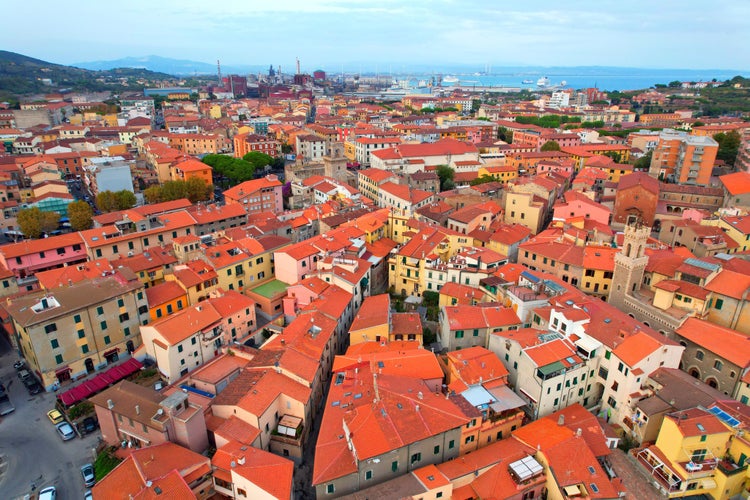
[729,468]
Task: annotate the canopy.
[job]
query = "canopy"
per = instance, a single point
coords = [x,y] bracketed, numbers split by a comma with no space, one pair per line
[96,384]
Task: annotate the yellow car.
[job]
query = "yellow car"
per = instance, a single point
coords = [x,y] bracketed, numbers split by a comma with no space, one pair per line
[55,416]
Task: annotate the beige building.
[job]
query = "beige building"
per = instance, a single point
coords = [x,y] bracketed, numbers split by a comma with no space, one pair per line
[75,330]
[526,209]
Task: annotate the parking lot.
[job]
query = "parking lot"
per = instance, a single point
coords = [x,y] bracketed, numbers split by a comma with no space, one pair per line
[32,454]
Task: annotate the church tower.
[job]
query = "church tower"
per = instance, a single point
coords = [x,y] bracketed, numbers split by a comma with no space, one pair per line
[630,262]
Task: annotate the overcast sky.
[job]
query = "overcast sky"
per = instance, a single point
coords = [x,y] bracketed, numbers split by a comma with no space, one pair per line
[326,33]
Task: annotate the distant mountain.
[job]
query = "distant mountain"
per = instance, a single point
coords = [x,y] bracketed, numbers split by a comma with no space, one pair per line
[172,66]
[22,75]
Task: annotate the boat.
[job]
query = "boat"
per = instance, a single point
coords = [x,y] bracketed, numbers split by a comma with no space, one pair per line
[450,80]
[542,82]
[527,82]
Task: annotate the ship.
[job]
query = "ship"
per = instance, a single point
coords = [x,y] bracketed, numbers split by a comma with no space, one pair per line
[450,80]
[542,82]
[527,82]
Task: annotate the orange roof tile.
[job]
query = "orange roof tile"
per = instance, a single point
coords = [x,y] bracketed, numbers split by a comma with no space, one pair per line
[269,472]
[164,292]
[723,342]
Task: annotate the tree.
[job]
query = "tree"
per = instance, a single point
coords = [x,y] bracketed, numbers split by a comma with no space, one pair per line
[729,145]
[505,134]
[446,175]
[197,189]
[33,222]
[124,199]
[674,84]
[173,190]
[106,201]
[482,180]
[644,162]
[550,146]
[80,215]
[152,194]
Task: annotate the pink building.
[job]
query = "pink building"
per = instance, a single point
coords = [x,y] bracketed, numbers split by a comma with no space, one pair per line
[258,195]
[28,257]
[578,205]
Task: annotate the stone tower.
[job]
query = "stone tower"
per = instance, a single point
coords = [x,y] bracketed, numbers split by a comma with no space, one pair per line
[630,262]
[335,162]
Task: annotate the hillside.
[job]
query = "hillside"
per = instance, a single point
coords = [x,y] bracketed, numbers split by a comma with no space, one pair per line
[22,75]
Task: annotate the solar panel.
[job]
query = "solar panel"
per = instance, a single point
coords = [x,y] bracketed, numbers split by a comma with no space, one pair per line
[526,468]
[724,416]
[701,264]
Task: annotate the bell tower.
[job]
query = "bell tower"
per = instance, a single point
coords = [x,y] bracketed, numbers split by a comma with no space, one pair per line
[630,262]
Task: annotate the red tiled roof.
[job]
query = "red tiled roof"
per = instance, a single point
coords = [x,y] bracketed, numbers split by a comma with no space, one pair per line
[723,342]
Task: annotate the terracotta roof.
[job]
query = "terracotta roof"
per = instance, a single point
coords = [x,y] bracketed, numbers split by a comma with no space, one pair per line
[736,183]
[163,292]
[730,283]
[697,422]
[268,472]
[469,317]
[476,365]
[723,342]
[684,288]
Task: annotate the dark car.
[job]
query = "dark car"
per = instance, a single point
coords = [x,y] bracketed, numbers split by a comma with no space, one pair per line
[32,386]
[89,425]
[19,365]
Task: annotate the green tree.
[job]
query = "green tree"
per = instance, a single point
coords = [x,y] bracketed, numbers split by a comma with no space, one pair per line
[33,222]
[505,134]
[482,180]
[258,159]
[197,190]
[286,149]
[173,190]
[550,146]
[446,175]
[106,201]
[152,194]
[124,199]
[674,84]
[644,162]
[729,145]
[80,215]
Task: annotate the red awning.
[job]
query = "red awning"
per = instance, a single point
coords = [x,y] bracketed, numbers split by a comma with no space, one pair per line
[101,381]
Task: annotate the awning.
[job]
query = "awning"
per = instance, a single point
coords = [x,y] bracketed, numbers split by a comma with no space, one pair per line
[101,381]
[111,352]
[63,370]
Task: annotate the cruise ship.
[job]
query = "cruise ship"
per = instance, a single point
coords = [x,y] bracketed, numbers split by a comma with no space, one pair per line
[450,80]
[543,82]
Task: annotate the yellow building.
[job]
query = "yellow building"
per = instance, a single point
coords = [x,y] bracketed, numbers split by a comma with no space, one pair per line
[699,452]
[501,173]
[71,331]
[371,324]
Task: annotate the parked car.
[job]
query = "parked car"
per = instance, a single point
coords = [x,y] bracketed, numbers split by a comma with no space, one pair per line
[32,386]
[55,416]
[24,375]
[65,430]
[19,365]
[48,493]
[88,495]
[87,472]
[89,425]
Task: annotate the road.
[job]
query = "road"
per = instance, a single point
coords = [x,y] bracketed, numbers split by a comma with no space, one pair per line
[32,455]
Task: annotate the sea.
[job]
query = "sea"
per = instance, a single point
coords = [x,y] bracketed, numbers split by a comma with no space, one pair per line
[607,79]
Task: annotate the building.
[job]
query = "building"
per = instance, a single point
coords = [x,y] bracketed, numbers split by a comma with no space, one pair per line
[140,417]
[637,195]
[468,326]
[683,158]
[160,469]
[259,195]
[75,330]
[247,142]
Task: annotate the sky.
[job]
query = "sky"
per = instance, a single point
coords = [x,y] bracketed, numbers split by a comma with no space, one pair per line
[389,33]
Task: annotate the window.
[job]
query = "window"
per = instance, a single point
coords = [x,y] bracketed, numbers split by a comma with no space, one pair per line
[54,343]
[58,359]
[436,450]
[85,348]
[126,331]
[718,365]
[394,466]
[459,334]
[330,489]
[476,332]
[103,325]
[368,475]
[193,340]
[107,341]
[124,317]
[100,310]
[417,457]
[607,354]
[81,334]
[52,327]
[77,318]
[159,313]
[699,355]
[241,492]
[612,402]
[120,303]
[451,444]
[469,439]
[179,348]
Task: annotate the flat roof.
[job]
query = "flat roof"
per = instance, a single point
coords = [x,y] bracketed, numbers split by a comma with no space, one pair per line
[270,289]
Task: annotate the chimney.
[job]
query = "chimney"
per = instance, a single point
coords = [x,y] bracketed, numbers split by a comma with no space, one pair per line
[137,409]
[241,460]
[110,404]
[561,420]
[416,408]
[578,432]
